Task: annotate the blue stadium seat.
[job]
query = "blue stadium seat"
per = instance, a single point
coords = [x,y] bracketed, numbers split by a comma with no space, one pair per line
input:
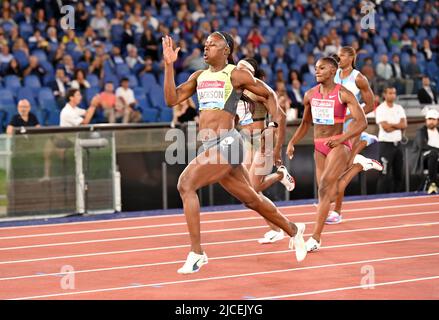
[182,77]
[26,30]
[33,83]
[40,54]
[166,115]
[150,115]
[148,80]
[156,97]
[13,83]
[133,80]
[27,93]
[309,79]
[123,70]
[90,93]
[93,80]
[21,58]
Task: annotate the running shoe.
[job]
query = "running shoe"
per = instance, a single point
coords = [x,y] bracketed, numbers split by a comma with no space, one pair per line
[432,188]
[298,242]
[367,163]
[333,218]
[193,263]
[272,236]
[312,245]
[287,180]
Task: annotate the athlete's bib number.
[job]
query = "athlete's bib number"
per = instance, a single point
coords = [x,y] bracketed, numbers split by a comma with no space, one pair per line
[322,111]
[211,94]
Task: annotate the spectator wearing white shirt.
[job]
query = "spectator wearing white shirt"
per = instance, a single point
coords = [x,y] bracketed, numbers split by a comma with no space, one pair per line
[426,95]
[73,116]
[391,120]
[126,102]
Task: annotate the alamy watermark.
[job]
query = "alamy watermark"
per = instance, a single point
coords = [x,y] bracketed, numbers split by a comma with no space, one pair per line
[68,19]
[68,277]
[368,280]
[368,20]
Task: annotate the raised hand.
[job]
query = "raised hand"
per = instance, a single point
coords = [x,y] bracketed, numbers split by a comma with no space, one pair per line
[169,54]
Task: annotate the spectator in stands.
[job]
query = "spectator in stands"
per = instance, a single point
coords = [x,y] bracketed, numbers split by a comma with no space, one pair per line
[80,82]
[296,98]
[20,44]
[13,68]
[406,43]
[70,37]
[255,37]
[281,57]
[136,19]
[199,13]
[290,38]
[100,24]
[195,61]
[97,67]
[34,68]
[320,48]
[263,57]
[107,100]
[413,71]
[403,84]
[394,40]
[28,18]
[24,118]
[426,94]
[81,17]
[90,35]
[52,36]
[5,55]
[234,34]
[133,60]
[37,41]
[426,149]
[116,56]
[150,44]
[184,112]
[309,66]
[126,102]
[391,120]
[294,75]
[426,50]
[236,12]
[329,13]
[59,87]
[59,54]
[7,18]
[384,72]
[333,47]
[150,19]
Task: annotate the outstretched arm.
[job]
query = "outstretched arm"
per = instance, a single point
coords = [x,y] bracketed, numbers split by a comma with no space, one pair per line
[359,118]
[173,94]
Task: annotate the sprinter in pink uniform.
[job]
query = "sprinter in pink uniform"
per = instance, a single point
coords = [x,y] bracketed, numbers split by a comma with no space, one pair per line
[325,106]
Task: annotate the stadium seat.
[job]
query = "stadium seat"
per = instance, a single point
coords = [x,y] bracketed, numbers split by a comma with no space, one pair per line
[21,58]
[13,83]
[93,80]
[148,80]
[28,94]
[33,83]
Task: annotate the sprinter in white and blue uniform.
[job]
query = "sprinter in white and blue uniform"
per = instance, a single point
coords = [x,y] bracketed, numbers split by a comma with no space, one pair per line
[355,82]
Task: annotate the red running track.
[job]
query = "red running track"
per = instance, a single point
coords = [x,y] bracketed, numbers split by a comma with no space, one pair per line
[384,249]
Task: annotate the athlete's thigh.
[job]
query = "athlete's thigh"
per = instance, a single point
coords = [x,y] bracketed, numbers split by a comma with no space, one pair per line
[236,183]
[336,163]
[205,169]
[319,160]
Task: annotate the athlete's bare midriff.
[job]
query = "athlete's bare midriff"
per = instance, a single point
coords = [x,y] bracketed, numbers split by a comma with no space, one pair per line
[325,131]
[216,121]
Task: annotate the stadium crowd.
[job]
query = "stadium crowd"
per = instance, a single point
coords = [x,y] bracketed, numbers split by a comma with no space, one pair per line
[114,51]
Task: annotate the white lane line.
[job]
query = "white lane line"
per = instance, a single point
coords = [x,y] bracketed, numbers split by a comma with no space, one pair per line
[213,212]
[291,295]
[202,222]
[179,246]
[71,243]
[225,277]
[216,258]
